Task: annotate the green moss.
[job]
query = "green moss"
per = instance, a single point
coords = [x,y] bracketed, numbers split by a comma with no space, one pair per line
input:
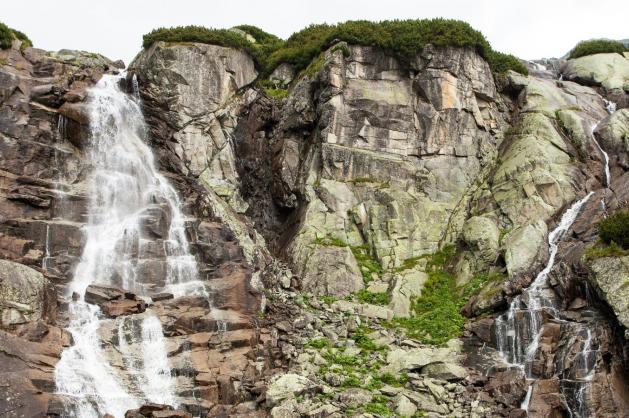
[615,229]
[597,46]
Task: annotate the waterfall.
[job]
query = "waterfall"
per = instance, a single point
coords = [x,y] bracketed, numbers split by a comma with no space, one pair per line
[608,175]
[45,262]
[518,331]
[610,106]
[133,210]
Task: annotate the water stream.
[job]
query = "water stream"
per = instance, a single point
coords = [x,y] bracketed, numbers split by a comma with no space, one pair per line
[133,210]
[519,330]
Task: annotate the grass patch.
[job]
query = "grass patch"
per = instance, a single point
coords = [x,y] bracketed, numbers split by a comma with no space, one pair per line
[364,341]
[319,343]
[436,317]
[597,46]
[365,296]
[379,405]
[7,35]
[601,250]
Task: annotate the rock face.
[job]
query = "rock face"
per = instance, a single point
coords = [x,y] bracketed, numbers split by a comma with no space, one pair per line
[340,191]
[25,295]
[610,277]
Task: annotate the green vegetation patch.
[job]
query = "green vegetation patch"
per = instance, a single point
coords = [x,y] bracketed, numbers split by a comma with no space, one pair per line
[303,50]
[601,250]
[436,317]
[597,46]
[365,296]
[615,229]
[367,264]
[7,35]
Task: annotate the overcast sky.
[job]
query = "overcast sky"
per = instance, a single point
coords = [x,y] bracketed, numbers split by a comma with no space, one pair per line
[527,28]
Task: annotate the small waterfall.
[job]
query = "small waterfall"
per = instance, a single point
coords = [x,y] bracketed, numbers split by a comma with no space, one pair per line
[135,87]
[131,203]
[608,175]
[45,262]
[518,331]
[62,126]
[610,106]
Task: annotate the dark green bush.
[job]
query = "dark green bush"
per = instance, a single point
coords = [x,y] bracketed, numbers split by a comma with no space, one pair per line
[501,63]
[7,35]
[404,38]
[615,228]
[26,42]
[597,46]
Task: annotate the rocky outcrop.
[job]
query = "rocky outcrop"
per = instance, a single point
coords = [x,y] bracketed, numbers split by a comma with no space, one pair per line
[190,91]
[609,71]
[610,277]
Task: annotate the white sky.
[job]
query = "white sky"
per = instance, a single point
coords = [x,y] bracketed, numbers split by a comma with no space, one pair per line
[527,28]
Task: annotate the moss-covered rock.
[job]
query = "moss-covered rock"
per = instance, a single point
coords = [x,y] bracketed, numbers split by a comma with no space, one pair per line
[610,277]
[610,70]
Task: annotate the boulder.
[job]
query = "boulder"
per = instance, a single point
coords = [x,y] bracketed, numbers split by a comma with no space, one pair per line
[288,386]
[400,359]
[355,397]
[25,295]
[607,70]
[525,248]
[332,271]
[97,294]
[445,371]
[507,386]
[404,407]
[481,234]
[408,285]
[115,308]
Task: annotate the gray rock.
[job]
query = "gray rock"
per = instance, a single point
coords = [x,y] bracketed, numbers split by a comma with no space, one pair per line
[288,386]
[445,371]
[25,295]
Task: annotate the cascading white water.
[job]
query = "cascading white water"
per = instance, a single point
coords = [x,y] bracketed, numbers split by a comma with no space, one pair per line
[608,174]
[126,192]
[45,262]
[610,106]
[518,331]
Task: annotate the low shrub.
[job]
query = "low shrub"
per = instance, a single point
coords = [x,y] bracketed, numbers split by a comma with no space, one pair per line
[597,46]
[7,35]
[615,229]
[403,38]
